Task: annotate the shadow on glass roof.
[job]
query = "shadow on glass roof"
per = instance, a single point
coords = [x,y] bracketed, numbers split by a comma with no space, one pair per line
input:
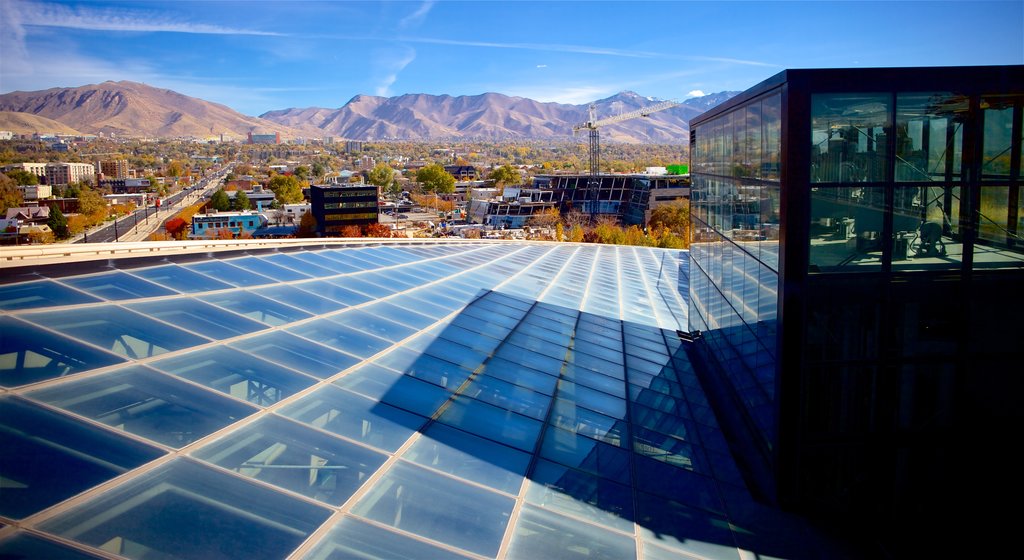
[439,400]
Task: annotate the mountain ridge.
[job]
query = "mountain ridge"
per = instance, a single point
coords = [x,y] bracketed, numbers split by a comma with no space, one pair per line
[135,109]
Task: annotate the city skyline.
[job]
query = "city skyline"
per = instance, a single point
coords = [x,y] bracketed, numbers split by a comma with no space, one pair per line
[257,57]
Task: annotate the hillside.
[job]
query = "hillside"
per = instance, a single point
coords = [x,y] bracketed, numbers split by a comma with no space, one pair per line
[27,123]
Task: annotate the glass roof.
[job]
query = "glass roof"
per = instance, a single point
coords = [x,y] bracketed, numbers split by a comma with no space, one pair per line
[463,400]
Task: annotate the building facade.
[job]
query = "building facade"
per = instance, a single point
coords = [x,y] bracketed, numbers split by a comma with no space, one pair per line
[625,198]
[113,169]
[274,138]
[66,173]
[337,207]
[855,272]
[238,223]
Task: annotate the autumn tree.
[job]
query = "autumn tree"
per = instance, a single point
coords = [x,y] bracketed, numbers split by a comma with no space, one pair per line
[576,234]
[675,217]
[175,169]
[546,218]
[10,194]
[574,218]
[219,201]
[505,175]
[381,175]
[559,232]
[433,178]
[241,202]
[376,230]
[307,226]
[90,201]
[58,223]
[22,177]
[301,172]
[350,231]
[287,189]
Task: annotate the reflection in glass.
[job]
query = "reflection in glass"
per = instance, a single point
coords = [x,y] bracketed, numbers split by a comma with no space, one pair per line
[849,137]
[146,403]
[353,538]
[439,508]
[292,456]
[541,534]
[49,457]
[926,226]
[29,354]
[929,132]
[846,229]
[470,457]
[997,245]
[998,139]
[184,510]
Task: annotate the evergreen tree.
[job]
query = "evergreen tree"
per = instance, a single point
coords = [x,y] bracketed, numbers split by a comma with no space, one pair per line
[241,201]
[220,201]
[58,223]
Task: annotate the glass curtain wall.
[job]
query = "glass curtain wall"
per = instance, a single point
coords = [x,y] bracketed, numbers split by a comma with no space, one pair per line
[734,248]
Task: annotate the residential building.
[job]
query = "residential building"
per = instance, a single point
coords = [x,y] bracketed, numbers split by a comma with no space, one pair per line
[856,268]
[62,173]
[37,169]
[337,207]
[35,192]
[34,215]
[113,169]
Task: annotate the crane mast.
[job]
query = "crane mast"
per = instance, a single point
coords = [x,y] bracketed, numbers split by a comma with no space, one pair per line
[592,124]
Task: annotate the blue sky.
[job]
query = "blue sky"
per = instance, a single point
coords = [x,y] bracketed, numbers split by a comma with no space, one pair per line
[259,56]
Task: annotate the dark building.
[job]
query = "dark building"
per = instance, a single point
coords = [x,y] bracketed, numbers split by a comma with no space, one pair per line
[462,172]
[626,198]
[337,207]
[855,271]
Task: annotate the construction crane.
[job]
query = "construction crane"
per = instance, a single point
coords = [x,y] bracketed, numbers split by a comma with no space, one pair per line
[592,124]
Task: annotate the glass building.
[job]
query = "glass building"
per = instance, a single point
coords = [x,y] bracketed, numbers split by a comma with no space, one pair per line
[856,268]
[347,400]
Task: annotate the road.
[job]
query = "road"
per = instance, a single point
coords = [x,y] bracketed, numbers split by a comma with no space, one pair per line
[138,225]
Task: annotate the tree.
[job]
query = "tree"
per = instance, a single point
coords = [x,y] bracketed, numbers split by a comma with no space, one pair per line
[381,175]
[174,169]
[574,218]
[307,226]
[433,178]
[241,202]
[350,231]
[58,223]
[376,230]
[318,170]
[10,194]
[675,217]
[545,218]
[220,201]
[286,188]
[22,177]
[302,172]
[559,232]
[90,201]
[576,234]
[505,175]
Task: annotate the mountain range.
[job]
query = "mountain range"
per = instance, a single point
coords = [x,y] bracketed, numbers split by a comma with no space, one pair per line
[134,109]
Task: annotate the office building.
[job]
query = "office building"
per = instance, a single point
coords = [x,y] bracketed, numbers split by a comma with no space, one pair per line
[626,198]
[113,169]
[337,207]
[856,269]
[237,224]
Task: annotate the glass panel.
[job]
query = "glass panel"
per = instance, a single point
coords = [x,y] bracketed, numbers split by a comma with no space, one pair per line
[413,395]
[300,299]
[143,402]
[256,307]
[998,140]
[373,324]
[24,545]
[40,294]
[116,329]
[225,272]
[771,136]
[929,129]
[997,246]
[846,229]
[181,279]
[355,416]
[522,376]
[293,263]
[29,354]
[148,516]
[927,234]
[849,137]
[470,457]
[238,374]
[439,508]
[292,456]
[586,454]
[684,529]
[297,353]
[541,534]
[582,495]
[198,317]
[492,422]
[49,457]
[332,290]
[594,400]
[268,269]
[508,396]
[335,335]
[117,285]
[352,538]
[673,483]
[578,420]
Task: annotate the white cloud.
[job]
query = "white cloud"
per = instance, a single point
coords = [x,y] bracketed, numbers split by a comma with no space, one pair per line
[696,93]
[417,17]
[393,66]
[542,66]
[573,95]
[108,19]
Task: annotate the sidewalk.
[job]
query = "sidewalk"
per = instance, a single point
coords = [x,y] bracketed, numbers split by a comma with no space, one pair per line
[127,227]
